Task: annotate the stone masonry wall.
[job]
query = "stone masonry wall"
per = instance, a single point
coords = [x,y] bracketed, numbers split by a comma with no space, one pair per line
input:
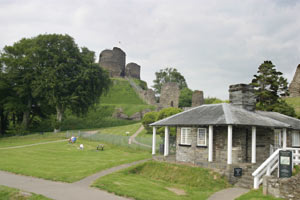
[113,61]
[294,88]
[286,188]
[169,96]
[133,70]
[197,98]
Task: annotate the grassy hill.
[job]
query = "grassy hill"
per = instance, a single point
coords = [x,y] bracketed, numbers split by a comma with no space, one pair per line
[295,102]
[121,95]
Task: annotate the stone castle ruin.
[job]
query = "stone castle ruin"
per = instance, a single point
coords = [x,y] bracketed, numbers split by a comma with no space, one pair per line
[294,87]
[114,62]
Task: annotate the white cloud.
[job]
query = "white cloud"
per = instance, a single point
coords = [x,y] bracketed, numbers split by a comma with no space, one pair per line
[212,43]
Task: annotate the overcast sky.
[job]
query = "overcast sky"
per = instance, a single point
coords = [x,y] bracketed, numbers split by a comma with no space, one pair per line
[213,44]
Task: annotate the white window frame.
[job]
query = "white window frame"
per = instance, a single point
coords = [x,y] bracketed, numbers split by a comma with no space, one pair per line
[295,137]
[186,136]
[277,142]
[205,137]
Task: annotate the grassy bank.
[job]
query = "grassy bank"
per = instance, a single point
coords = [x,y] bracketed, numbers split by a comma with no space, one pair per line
[7,193]
[295,103]
[257,195]
[156,180]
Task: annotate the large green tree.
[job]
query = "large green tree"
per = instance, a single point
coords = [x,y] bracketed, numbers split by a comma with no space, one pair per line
[269,86]
[69,77]
[168,75]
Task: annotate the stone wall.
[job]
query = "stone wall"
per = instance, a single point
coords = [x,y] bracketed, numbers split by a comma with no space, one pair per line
[286,188]
[113,61]
[133,70]
[197,98]
[294,88]
[169,96]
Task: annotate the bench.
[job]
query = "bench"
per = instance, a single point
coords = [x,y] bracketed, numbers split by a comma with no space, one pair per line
[100,147]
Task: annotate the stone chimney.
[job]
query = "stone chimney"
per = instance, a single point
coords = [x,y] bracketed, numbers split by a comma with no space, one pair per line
[242,95]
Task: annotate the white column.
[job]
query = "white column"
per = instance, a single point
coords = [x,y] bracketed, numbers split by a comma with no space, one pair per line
[229,147]
[154,140]
[166,152]
[210,143]
[253,155]
[284,138]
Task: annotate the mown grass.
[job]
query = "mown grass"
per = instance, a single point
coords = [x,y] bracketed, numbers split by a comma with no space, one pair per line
[294,102]
[65,162]
[121,130]
[256,195]
[7,193]
[156,180]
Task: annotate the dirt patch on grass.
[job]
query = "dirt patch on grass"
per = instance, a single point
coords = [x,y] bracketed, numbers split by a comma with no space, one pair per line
[176,191]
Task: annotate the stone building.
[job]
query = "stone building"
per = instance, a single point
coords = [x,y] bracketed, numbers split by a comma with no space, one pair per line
[294,88]
[197,98]
[169,95]
[113,61]
[227,136]
[133,70]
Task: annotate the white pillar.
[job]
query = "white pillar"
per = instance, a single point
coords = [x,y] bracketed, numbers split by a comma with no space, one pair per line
[154,140]
[210,143]
[166,152]
[284,138]
[229,146]
[253,155]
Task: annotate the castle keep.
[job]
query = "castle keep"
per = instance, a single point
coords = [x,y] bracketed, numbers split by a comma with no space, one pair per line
[114,62]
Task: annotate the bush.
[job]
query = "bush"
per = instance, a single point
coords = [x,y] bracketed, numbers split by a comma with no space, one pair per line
[166,112]
[185,98]
[149,118]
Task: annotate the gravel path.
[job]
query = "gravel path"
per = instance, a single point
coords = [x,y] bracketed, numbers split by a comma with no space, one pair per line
[132,138]
[29,145]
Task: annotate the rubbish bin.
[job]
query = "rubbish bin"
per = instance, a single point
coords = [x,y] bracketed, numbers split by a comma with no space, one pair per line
[161,148]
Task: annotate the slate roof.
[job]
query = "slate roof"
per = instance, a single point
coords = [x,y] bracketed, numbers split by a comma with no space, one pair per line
[226,114]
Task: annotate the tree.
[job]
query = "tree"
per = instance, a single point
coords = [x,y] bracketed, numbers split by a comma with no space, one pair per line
[168,75]
[19,69]
[269,86]
[69,77]
[149,118]
[185,98]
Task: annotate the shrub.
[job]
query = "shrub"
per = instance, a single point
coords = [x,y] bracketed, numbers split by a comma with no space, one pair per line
[149,118]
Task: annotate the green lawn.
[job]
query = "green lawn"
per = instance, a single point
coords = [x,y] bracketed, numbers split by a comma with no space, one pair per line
[30,139]
[7,193]
[256,195]
[121,130]
[157,180]
[65,162]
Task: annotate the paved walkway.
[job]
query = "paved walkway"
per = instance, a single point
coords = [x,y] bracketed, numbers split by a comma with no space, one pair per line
[64,191]
[132,138]
[228,194]
[29,145]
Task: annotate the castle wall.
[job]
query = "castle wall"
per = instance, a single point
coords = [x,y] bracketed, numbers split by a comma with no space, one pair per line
[169,96]
[197,98]
[294,88]
[133,70]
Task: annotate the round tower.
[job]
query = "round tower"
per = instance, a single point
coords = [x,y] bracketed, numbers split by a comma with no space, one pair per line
[113,61]
[133,70]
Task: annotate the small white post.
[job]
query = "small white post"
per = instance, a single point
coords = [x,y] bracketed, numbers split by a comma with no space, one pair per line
[154,140]
[210,143]
[229,146]
[256,182]
[166,152]
[253,155]
[284,138]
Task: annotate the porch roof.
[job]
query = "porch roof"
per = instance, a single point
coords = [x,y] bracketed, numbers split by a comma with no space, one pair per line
[221,114]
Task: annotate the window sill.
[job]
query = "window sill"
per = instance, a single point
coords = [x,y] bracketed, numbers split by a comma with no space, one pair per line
[185,145]
[198,146]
